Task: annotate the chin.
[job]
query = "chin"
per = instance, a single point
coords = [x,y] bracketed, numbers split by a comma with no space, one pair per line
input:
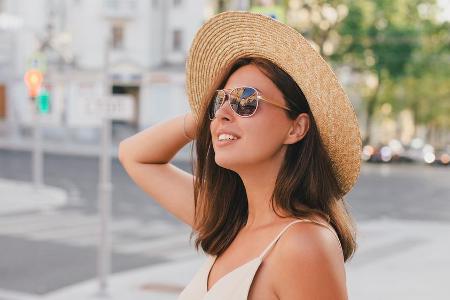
[226,162]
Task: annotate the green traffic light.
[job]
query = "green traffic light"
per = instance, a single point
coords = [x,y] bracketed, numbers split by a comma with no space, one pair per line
[43,101]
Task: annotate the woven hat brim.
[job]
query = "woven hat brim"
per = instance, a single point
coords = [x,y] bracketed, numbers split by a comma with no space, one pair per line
[234,34]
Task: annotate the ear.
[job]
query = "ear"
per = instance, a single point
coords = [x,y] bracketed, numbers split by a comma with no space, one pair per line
[298,129]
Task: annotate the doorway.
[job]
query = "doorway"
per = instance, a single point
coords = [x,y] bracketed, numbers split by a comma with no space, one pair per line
[122,129]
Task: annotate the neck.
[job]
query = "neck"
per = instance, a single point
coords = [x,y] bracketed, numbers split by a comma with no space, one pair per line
[259,182]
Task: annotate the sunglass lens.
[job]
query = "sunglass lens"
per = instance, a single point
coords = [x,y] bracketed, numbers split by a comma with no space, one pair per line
[217,101]
[244,101]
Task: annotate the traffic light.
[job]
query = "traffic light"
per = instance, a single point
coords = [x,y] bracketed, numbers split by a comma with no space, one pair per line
[33,79]
[43,101]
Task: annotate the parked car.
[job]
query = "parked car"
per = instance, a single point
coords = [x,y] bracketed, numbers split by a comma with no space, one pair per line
[381,154]
[420,152]
[442,157]
[372,154]
[395,152]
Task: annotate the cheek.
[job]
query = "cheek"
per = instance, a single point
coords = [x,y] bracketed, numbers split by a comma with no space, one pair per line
[261,140]
[264,140]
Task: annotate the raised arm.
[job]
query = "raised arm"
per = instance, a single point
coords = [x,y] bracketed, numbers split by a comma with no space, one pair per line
[146,155]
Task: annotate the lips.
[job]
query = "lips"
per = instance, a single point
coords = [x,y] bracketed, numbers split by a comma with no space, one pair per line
[224,142]
[229,132]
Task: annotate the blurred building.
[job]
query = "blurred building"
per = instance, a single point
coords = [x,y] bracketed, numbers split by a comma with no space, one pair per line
[142,43]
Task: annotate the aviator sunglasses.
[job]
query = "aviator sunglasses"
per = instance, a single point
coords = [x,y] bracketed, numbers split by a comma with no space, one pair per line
[243,101]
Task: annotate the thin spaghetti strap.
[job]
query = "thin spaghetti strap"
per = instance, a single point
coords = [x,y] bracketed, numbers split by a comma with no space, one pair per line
[329,228]
[287,226]
[278,236]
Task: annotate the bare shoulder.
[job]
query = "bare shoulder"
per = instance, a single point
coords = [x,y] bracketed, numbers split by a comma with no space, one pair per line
[309,264]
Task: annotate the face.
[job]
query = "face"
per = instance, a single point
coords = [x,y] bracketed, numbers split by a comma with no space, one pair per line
[261,137]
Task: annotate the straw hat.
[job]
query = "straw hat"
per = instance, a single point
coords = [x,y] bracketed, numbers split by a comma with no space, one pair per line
[233,34]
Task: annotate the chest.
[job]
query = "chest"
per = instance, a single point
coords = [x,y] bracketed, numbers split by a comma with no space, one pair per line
[260,288]
[233,262]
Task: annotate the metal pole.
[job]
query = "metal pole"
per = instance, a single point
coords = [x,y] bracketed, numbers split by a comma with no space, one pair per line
[105,190]
[37,146]
[12,117]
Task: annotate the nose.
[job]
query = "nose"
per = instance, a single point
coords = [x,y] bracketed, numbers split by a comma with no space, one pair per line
[225,110]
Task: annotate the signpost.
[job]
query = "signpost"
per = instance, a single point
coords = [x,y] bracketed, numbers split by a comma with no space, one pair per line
[105,189]
[104,205]
[107,107]
[93,105]
[33,79]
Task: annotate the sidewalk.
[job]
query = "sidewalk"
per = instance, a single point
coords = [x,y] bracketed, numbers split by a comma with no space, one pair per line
[396,259]
[20,196]
[160,282]
[163,281]
[401,259]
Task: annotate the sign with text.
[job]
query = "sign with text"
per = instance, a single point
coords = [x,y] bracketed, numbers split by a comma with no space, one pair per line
[87,106]
[114,107]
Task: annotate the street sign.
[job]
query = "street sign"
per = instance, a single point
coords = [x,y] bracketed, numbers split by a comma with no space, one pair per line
[114,107]
[87,105]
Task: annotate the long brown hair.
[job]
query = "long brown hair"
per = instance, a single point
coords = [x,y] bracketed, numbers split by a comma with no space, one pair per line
[305,183]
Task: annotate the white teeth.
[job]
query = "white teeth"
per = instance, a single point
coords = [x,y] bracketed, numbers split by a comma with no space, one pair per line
[225,136]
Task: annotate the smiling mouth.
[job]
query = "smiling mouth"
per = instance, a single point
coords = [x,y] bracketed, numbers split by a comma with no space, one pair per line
[225,142]
[225,136]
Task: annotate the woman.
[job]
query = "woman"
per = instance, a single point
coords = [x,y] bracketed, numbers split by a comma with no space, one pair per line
[277,147]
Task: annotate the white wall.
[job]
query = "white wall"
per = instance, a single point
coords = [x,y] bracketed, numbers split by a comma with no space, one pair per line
[147,45]
[187,16]
[162,100]
[88,30]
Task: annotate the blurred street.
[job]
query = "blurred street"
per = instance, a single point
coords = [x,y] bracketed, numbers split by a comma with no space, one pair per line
[47,249]
[77,77]
[66,238]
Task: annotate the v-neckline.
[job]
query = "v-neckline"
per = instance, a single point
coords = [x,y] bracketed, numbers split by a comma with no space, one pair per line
[214,258]
[226,275]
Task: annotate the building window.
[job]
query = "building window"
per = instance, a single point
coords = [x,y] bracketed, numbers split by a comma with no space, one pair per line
[177,40]
[117,36]
[177,2]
